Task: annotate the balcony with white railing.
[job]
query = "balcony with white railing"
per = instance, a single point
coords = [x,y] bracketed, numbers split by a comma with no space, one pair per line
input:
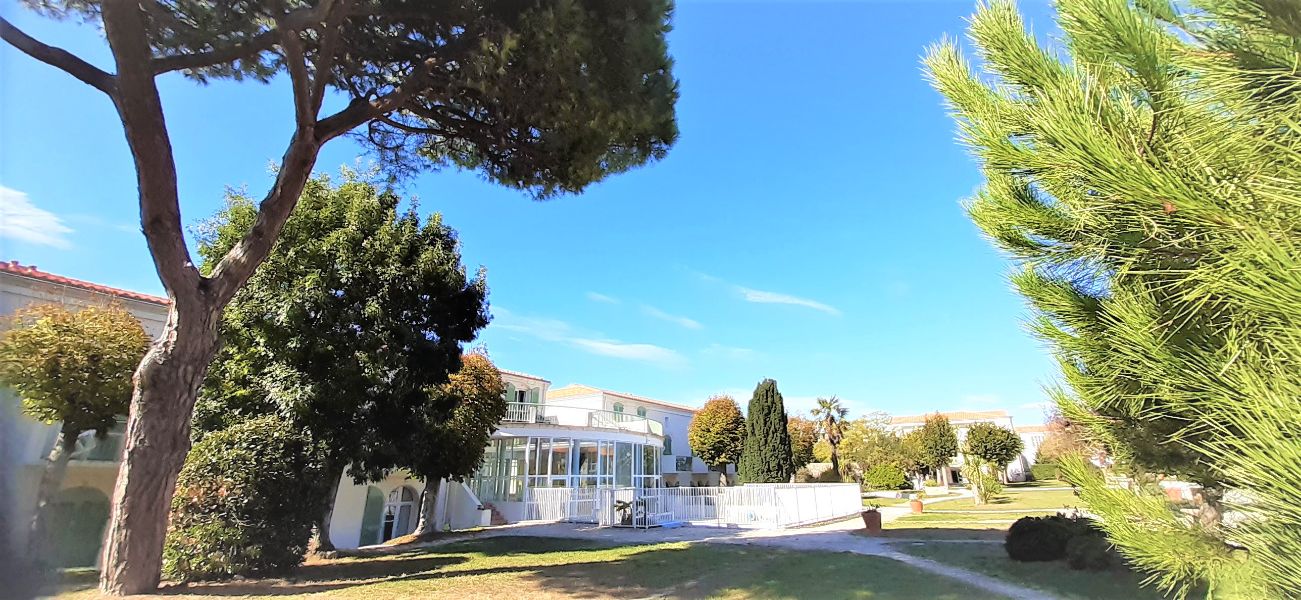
[551,414]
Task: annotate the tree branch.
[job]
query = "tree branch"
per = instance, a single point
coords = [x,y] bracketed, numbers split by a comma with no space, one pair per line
[324,62]
[360,110]
[57,57]
[294,20]
[141,111]
[299,78]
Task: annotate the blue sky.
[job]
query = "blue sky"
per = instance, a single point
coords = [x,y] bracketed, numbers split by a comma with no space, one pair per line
[806,227]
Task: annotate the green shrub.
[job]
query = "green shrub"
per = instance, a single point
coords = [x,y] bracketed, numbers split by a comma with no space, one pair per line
[245,503]
[1043,471]
[1089,552]
[1032,539]
[885,477]
[930,483]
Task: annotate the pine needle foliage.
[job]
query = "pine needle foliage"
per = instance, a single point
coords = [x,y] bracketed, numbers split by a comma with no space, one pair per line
[1145,174]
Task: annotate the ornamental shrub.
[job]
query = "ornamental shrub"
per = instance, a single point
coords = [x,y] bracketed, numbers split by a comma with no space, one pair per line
[245,503]
[1043,471]
[1089,552]
[885,477]
[1032,539]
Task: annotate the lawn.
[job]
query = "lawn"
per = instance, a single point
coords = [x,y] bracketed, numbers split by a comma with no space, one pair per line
[1031,499]
[885,501]
[1042,483]
[1053,577]
[522,567]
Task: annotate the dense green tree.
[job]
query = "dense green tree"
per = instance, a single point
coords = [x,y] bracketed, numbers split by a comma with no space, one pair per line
[546,96]
[830,415]
[804,434]
[987,450]
[452,449]
[1149,183]
[767,454]
[936,445]
[71,368]
[867,443]
[717,433]
[356,315]
[992,444]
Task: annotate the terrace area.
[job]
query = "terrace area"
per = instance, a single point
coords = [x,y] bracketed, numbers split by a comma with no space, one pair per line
[577,416]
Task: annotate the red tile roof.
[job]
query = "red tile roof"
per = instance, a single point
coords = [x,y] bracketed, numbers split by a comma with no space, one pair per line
[14,268]
[961,415]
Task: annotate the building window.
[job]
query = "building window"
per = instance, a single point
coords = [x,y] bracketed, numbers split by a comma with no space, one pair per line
[668,445]
[641,411]
[683,464]
[618,407]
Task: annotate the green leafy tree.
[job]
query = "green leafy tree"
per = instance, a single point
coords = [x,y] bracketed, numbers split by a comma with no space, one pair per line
[767,454]
[352,277]
[452,449]
[71,368]
[547,96]
[717,432]
[936,444]
[830,415]
[1148,183]
[867,443]
[822,451]
[804,434]
[987,450]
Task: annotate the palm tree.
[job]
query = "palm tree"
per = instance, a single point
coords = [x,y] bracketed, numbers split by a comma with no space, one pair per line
[830,416]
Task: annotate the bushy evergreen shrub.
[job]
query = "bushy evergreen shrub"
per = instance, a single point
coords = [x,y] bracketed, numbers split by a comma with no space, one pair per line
[245,503]
[1032,539]
[1089,552]
[885,477]
[1043,471]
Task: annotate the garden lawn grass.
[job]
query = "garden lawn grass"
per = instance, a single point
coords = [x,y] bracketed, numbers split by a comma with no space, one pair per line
[1042,483]
[885,501]
[1030,499]
[524,567]
[1053,577]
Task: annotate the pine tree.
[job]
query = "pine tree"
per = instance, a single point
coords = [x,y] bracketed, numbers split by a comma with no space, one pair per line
[767,454]
[1150,187]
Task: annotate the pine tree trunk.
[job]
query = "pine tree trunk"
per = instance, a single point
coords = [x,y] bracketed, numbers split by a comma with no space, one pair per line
[38,540]
[157,440]
[428,502]
[323,541]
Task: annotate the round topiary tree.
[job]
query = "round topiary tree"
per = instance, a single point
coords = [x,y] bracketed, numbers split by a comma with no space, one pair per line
[885,477]
[245,503]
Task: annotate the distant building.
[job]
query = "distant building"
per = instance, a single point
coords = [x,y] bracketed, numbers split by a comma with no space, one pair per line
[1017,470]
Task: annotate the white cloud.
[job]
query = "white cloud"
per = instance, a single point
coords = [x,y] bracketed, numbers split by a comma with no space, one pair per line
[598,297]
[555,330]
[23,221]
[675,319]
[765,297]
[730,352]
[649,353]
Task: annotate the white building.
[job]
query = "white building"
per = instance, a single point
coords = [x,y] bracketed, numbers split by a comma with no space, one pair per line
[575,437]
[81,506]
[961,421]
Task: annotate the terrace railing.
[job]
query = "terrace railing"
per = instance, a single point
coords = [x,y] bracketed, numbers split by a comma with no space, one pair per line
[751,506]
[527,412]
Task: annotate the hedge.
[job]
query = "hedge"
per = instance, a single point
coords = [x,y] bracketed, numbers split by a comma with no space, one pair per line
[245,503]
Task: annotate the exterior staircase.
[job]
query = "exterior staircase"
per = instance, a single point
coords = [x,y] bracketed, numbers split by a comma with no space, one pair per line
[497,518]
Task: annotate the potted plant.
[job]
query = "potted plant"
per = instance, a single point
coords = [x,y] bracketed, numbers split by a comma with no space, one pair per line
[872,519]
[916,502]
[624,509]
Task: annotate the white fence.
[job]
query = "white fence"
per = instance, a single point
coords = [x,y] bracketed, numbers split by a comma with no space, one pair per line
[766,506]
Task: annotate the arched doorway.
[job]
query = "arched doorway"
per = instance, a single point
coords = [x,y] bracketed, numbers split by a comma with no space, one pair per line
[398,513]
[77,519]
[371,517]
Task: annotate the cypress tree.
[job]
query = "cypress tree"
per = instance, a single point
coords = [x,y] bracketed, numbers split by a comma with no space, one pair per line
[767,454]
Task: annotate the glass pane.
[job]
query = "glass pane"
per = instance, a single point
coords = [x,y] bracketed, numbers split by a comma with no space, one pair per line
[404,525]
[408,495]
[623,465]
[607,459]
[649,461]
[587,458]
[559,458]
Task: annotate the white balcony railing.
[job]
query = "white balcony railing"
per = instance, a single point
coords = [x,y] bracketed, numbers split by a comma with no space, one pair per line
[527,412]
